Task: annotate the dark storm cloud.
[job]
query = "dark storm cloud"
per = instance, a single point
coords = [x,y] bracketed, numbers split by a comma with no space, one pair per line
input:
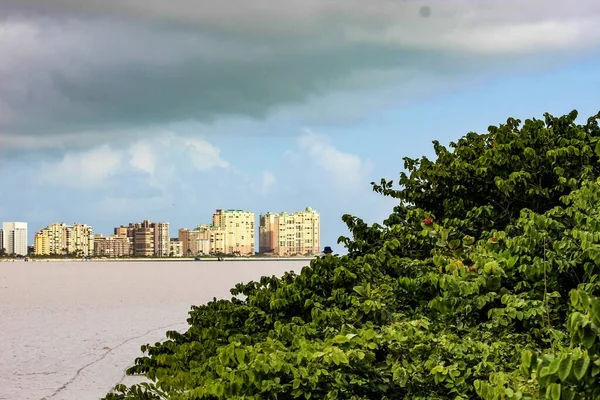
[81,66]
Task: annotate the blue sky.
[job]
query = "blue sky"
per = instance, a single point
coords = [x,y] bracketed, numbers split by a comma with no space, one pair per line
[112,113]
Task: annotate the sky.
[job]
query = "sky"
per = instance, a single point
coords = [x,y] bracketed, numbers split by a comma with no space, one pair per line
[116,111]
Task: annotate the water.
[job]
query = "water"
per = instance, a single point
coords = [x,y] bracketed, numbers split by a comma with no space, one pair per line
[68,330]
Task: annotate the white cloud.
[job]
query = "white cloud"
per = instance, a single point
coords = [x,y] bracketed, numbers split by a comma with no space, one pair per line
[142,157]
[84,169]
[526,37]
[348,171]
[268,181]
[162,157]
[202,155]
[160,151]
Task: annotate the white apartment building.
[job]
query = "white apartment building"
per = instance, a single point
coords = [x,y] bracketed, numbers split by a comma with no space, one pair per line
[13,238]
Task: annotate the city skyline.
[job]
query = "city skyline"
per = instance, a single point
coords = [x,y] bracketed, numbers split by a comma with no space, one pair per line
[230,232]
[199,107]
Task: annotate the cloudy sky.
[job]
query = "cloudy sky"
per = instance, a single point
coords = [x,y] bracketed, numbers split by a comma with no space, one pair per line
[113,111]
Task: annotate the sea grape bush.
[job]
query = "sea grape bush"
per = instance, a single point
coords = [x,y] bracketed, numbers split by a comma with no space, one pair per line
[483,283]
[484,181]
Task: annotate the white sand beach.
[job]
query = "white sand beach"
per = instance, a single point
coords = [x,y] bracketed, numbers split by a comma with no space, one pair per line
[68,330]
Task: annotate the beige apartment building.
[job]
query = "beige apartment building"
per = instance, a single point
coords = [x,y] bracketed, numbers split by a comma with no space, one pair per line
[175,248]
[50,240]
[211,238]
[112,246]
[143,239]
[189,241]
[41,243]
[83,240]
[205,239]
[123,231]
[286,235]
[62,239]
[238,231]
[147,238]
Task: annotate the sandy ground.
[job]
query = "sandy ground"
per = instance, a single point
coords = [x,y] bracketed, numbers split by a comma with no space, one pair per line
[68,330]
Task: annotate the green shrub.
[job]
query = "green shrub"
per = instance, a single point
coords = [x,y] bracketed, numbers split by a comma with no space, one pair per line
[462,293]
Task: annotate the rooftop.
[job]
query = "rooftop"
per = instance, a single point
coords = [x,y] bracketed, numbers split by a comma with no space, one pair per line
[283,213]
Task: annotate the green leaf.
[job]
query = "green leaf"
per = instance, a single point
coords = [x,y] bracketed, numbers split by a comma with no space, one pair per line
[568,394]
[454,244]
[553,367]
[580,367]
[554,391]
[526,358]
[564,370]
[595,311]
[340,339]
[589,337]
[240,355]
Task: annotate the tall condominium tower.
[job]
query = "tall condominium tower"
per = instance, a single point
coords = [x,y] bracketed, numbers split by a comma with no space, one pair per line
[297,234]
[14,238]
[148,238]
[59,238]
[238,231]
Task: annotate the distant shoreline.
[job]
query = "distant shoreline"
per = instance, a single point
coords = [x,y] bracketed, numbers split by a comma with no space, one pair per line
[166,259]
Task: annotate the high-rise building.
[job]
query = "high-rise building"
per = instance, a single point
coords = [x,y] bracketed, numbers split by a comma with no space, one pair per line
[205,239]
[41,243]
[112,246]
[62,239]
[268,230]
[161,239]
[14,238]
[143,239]
[125,232]
[188,239]
[82,243]
[50,240]
[147,238]
[238,231]
[211,239]
[297,234]
[175,248]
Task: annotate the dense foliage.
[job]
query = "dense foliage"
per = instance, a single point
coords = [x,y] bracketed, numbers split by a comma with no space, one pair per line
[483,283]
